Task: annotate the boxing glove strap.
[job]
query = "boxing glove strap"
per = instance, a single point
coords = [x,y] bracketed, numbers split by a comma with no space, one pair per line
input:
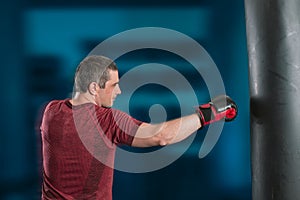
[205,114]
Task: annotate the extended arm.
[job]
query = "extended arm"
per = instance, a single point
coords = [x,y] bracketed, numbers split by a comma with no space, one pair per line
[220,108]
[166,133]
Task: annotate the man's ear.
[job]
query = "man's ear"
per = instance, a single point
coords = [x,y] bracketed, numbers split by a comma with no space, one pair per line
[93,88]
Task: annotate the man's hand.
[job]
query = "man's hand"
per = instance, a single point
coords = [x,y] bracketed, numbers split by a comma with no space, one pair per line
[220,108]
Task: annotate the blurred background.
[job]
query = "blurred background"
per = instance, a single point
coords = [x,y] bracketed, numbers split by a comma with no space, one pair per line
[42,43]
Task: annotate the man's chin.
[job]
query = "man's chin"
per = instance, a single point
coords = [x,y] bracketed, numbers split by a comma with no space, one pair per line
[107,105]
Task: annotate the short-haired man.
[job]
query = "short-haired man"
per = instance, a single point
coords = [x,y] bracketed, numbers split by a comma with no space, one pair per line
[75,130]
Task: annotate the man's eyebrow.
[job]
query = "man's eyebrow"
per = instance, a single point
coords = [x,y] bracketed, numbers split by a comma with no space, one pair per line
[116,83]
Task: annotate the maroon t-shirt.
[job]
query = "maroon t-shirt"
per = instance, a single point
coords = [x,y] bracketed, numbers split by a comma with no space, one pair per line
[79,144]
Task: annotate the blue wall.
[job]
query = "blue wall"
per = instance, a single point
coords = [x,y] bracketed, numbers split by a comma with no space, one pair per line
[43,45]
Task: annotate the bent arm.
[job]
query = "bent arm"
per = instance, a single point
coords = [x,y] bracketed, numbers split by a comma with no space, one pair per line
[167,132]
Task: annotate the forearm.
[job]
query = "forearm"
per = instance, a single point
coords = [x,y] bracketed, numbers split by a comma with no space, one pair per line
[167,132]
[177,130]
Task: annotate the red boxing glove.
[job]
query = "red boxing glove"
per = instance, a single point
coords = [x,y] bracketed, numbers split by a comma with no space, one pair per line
[220,108]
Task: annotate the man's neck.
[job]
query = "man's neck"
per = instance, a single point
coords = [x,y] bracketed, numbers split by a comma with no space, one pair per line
[81,98]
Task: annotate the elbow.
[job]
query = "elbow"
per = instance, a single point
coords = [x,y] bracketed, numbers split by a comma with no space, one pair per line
[162,139]
[162,142]
[161,135]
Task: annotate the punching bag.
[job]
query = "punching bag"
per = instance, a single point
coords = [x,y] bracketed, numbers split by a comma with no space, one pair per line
[273,42]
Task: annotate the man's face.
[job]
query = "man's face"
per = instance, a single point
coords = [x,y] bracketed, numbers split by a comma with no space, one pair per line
[107,95]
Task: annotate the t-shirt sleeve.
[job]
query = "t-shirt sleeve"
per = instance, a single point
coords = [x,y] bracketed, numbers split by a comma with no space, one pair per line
[120,127]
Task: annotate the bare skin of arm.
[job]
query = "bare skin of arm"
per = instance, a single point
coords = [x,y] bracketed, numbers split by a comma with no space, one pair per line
[166,133]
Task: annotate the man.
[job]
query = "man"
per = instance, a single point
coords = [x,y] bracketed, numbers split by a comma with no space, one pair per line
[80,135]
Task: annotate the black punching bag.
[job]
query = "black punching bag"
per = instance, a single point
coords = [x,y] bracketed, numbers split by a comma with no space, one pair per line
[273,40]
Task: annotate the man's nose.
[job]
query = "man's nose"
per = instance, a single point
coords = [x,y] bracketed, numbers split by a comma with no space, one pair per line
[118,90]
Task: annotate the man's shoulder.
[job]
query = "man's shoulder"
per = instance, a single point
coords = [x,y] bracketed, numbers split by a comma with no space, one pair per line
[109,110]
[56,104]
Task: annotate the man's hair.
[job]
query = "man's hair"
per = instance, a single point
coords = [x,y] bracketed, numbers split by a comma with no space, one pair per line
[93,68]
